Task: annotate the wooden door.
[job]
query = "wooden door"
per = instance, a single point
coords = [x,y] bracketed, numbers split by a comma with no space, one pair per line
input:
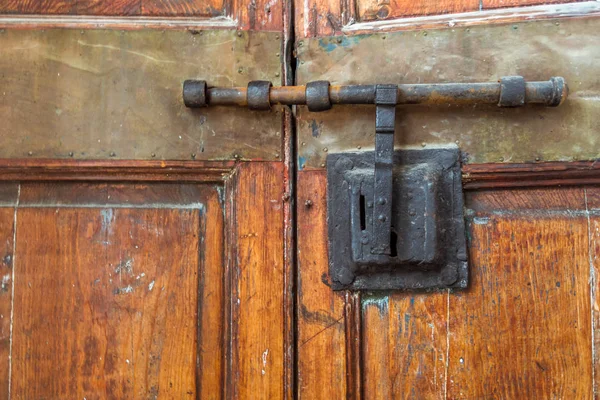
[527,325]
[145,247]
[148,250]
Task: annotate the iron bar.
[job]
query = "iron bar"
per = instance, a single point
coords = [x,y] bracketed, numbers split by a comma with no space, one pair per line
[550,93]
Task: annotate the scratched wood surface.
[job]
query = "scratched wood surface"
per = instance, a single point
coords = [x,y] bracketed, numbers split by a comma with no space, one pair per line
[318,18]
[256,236]
[6,272]
[523,329]
[107,296]
[259,15]
[321,334]
[114,7]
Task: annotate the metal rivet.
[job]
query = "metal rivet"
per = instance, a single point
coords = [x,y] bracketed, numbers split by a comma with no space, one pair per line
[325,149]
[240,70]
[30,153]
[339,40]
[457,141]
[277,54]
[194,155]
[303,143]
[381,201]
[359,147]
[382,218]
[537,159]
[153,155]
[308,203]
[383,37]
[423,144]
[300,44]
[322,165]
[501,158]
[276,73]
[239,34]
[369,204]
[424,33]
[112,154]
[71,154]
[276,155]
[515,27]
[412,213]
[277,37]
[236,156]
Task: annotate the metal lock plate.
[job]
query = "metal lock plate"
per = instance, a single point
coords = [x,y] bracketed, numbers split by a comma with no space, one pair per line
[427,241]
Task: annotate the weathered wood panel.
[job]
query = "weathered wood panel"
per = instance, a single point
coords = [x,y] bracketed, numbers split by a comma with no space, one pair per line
[106,303]
[7,215]
[592,199]
[369,10]
[111,94]
[523,327]
[257,299]
[321,333]
[114,7]
[476,54]
[319,18]
[405,346]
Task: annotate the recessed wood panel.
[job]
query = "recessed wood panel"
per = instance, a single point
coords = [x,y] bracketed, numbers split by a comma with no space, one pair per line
[114,300]
[106,303]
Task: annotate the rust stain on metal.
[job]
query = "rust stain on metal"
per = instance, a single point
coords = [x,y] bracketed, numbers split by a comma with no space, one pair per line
[485,133]
[90,94]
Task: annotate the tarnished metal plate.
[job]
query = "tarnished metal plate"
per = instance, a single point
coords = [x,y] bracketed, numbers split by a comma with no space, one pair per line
[118,94]
[535,50]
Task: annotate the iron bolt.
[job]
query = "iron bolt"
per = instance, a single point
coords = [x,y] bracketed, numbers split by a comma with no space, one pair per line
[381,201]
[308,203]
[382,218]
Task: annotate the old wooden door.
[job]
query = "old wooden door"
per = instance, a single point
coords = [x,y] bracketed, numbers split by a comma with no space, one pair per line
[527,326]
[143,246]
[149,250]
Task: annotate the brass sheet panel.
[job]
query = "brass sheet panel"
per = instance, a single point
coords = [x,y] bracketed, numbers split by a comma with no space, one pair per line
[117,94]
[536,50]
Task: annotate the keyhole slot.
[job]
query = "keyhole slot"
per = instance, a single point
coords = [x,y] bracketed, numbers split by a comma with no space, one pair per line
[363,213]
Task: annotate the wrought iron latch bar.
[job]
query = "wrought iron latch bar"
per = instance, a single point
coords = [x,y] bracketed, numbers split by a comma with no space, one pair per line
[395,217]
[511,91]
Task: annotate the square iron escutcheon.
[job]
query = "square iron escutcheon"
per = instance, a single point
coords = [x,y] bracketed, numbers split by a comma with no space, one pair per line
[427,242]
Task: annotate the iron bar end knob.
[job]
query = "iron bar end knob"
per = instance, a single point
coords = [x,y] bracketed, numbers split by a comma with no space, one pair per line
[560,92]
[194,93]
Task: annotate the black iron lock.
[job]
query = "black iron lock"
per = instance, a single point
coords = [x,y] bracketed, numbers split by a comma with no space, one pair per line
[395,217]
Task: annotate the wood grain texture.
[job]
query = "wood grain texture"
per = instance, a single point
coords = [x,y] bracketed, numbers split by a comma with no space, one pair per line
[108,297]
[211,294]
[207,8]
[487,4]
[7,215]
[321,352]
[370,10]
[592,198]
[522,329]
[257,250]
[405,348]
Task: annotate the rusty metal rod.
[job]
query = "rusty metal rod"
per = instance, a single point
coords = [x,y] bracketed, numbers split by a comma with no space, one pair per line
[550,93]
